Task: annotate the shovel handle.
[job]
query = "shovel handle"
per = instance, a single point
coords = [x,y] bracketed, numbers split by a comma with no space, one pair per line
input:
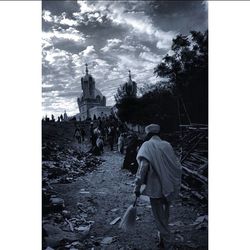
[135,201]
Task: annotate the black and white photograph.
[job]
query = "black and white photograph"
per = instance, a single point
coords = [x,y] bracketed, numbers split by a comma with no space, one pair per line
[125,125]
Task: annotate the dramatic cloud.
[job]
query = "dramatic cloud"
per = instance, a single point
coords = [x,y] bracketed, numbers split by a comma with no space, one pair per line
[112,37]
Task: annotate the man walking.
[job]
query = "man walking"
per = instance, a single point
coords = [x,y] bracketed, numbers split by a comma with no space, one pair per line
[160,171]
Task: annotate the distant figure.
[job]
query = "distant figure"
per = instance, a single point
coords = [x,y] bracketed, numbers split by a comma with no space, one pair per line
[83,133]
[77,135]
[160,171]
[97,132]
[121,143]
[58,119]
[130,162]
[92,135]
[52,118]
[46,118]
[100,143]
[65,116]
[61,117]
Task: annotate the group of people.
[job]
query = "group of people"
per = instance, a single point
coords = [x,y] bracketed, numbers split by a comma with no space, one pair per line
[102,131]
[61,118]
[110,136]
[79,134]
[157,169]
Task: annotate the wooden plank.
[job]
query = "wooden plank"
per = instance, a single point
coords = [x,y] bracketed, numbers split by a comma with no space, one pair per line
[201,178]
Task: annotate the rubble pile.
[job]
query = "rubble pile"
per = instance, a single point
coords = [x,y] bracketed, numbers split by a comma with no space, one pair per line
[62,230]
[64,165]
[60,166]
[194,160]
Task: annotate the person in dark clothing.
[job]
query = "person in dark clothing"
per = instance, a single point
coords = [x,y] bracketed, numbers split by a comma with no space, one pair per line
[92,135]
[83,134]
[77,135]
[130,162]
[95,150]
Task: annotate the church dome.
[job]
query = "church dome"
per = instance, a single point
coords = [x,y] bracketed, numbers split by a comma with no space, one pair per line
[98,93]
[88,78]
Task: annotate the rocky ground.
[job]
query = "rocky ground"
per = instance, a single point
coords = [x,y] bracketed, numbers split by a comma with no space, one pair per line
[85,196]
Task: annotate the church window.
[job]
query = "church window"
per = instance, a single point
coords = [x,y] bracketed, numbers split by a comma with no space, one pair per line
[98,98]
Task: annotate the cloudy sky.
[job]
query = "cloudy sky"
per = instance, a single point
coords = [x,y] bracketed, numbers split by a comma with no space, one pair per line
[112,37]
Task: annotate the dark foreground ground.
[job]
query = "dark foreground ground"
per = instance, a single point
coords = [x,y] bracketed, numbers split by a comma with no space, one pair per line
[81,203]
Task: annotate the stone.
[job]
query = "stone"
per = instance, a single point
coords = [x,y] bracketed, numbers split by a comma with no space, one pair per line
[66,214]
[57,201]
[56,235]
[107,241]
[114,209]
[83,228]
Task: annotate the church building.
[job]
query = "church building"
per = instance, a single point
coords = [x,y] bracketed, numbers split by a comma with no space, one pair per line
[91,102]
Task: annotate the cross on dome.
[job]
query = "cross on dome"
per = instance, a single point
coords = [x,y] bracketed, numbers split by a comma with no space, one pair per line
[87,71]
[129,74]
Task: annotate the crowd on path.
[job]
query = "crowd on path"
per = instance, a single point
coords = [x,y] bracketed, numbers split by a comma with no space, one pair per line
[157,169]
[106,131]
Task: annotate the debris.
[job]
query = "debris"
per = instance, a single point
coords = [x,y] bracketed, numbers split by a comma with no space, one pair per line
[194,160]
[114,209]
[75,243]
[202,225]
[177,224]
[179,237]
[70,225]
[64,165]
[84,229]
[66,214]
[57,201]
[200,219]
[56,235]
[113,222]
[107,241]
[82,191]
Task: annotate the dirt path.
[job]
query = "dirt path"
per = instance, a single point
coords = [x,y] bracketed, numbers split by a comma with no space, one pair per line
[105,194]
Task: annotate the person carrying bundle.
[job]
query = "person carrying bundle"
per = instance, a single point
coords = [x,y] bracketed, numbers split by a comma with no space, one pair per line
[160,172]
[100,143]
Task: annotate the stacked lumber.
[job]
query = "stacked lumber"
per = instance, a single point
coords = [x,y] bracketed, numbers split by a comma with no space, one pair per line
[194,159]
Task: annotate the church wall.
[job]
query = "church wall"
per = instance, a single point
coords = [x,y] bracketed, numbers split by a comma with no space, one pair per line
[99,111]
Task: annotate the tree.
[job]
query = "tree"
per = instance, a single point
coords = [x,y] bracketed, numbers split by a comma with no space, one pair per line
[187,70]
[126,102]
[185,87]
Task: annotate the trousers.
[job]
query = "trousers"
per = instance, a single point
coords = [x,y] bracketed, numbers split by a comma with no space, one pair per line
[160,209]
